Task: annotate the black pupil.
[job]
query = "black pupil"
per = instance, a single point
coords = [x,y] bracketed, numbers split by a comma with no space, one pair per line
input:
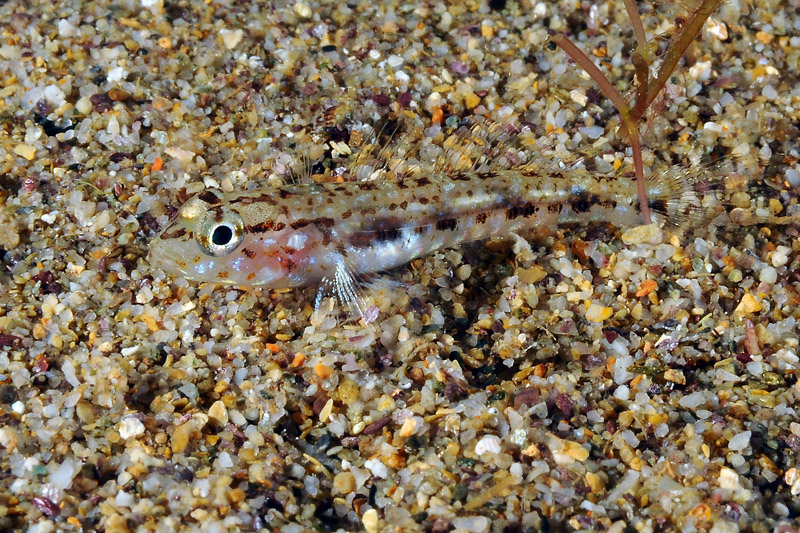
[222,235]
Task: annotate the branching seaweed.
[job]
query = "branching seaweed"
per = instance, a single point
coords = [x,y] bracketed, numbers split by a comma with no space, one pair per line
[647,89]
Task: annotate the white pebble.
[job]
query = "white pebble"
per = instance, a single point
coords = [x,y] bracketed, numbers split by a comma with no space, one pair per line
[769,92]
[54,95]
[231,38]
[768,275]
[692,400]
[630,438]
[113,125]
[755,368]
[622,393]
[779,258]
[62,478]
[740,441]
[129,351]
[593,132]
[124,499]
[621,374]
[65,29]
[131,427]
[18,407]
[488,444]
[225,460]
[84,105]
[377,468]
[737,460]
[395,60]
[117,74]
[476,524]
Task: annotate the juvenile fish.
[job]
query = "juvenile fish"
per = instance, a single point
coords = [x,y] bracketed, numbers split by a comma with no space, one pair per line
[299,235]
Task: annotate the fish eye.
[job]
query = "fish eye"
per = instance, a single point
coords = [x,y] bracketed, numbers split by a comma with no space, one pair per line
[220,231]
[222,235]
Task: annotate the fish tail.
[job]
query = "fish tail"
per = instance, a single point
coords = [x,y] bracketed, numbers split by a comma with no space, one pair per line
[686,201]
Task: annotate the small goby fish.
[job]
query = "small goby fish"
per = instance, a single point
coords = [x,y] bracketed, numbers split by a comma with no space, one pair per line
[299,235]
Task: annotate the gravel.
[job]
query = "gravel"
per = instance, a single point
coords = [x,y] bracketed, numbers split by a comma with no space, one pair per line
[579,378]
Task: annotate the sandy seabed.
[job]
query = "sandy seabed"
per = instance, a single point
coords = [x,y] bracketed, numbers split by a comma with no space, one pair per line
[578,383]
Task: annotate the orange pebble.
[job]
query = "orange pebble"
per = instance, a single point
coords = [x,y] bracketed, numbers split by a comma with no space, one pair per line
[274,348]
[438,115]
[158,164]
[647,286]
[323,371]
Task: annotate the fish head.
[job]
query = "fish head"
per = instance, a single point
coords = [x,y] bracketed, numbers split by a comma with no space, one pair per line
[215,239]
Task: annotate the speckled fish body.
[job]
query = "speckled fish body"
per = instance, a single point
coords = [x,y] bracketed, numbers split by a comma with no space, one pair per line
[298,235]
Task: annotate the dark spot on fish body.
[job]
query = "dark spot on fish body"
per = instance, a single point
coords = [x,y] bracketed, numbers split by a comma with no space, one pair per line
[347,214]
[583,201]
[367,186]
[360,239]
[423,181]
[480,218]
[525,210]
[446,224]
[404,205]
[388,235]
[460,177]
[209,197]
[248,252]
[284,194]
[423,201]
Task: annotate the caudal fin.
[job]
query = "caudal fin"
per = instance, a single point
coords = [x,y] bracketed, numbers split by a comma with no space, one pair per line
[688,201]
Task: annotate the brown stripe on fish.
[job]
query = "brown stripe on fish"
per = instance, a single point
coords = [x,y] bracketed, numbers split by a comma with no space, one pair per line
[260,199]
[177,234]
[263,227]
[321,222]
